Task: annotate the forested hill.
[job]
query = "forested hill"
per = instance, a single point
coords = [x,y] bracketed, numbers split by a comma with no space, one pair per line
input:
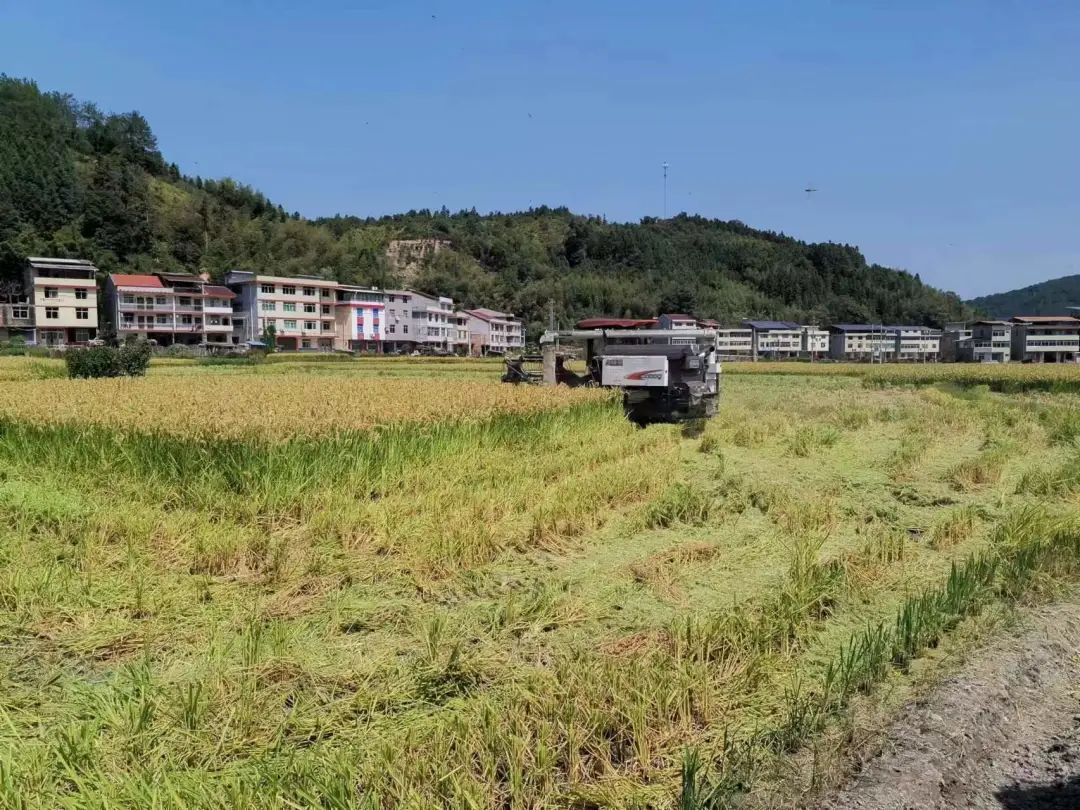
[75,181]
[1047,298]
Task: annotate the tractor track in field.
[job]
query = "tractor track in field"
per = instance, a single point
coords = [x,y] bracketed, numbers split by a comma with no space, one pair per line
[1001,734]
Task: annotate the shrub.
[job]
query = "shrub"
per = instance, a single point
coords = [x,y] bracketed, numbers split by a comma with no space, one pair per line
[133,357]
[130,360]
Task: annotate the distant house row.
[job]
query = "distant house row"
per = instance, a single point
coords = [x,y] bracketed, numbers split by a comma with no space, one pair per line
[1024,338]
[778,340]
[59,304]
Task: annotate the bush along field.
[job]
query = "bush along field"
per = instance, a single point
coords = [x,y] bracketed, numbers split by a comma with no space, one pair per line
[360,591]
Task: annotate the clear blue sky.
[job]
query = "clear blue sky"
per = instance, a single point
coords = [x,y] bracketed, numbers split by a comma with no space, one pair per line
[943,136]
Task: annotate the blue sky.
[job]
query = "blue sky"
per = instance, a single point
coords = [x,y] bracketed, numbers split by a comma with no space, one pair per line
[943,136]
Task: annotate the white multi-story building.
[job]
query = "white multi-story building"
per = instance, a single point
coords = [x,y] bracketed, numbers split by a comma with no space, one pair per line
[1045,338]
[990,342]
[494,332]
[360,319]
[300,308]
[416,320]
[885,343]
[778,339]
[734,341]
[170,308]
[676,321]
[62,300]
[815,341]
[917,343]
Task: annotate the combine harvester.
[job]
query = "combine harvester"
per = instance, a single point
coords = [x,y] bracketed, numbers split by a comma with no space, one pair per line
[666,375]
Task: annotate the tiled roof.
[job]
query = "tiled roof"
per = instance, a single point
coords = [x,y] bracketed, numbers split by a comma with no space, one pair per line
[489,314]
[615,323]
[878,327]
[218,292]
[1069,319]
[135,280]
[772,324]
[51,263]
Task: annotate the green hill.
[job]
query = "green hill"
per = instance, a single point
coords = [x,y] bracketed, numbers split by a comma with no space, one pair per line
[1047,298]
[75,181]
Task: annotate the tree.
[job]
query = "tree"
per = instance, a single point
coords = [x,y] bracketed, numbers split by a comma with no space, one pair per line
[37,167]
[117,213]
[678,300]
[269,337]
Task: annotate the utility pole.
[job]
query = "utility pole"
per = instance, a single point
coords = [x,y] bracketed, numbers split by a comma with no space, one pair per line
[665,188]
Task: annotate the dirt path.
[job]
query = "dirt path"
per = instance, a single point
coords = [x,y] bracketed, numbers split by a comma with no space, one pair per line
[1004,733]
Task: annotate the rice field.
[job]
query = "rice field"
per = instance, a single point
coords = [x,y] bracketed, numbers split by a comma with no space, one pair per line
[335,584]
[1001,377]
[275,406]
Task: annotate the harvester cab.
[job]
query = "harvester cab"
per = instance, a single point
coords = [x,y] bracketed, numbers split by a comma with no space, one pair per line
[666,375]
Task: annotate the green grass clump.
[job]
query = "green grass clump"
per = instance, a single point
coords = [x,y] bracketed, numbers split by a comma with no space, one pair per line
[681,504]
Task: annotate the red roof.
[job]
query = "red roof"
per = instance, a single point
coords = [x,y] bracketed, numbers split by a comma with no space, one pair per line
[135,280]
[615,323]
[485,314]
[1066,319]
[218,292]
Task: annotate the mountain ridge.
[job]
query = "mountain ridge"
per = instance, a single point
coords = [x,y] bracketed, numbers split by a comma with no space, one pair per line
[75,181]
[1050,297]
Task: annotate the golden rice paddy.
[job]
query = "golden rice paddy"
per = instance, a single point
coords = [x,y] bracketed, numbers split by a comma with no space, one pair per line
[274,406]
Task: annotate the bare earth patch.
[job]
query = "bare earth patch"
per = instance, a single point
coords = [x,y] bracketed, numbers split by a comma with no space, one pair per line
[1003,733]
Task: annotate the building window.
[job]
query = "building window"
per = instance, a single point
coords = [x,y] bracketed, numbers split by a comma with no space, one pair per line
[325,310]
[52,292]
[267,289]
[309,324]
[305,343]
[82,335]
[289,307]
[405,329]
[326,326]
[162,320]
[129,298]
[309,308]
[309,292]
[267,306]
[82,314]
[81,293]
[162,301]
[391,329]
[288,290]
[20,312]
[52,313]
[186,320]
[290,324]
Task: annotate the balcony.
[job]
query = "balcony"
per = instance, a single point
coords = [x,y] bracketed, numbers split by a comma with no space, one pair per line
[145,307]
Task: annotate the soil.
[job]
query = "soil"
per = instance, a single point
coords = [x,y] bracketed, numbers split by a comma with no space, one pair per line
[1003,733]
